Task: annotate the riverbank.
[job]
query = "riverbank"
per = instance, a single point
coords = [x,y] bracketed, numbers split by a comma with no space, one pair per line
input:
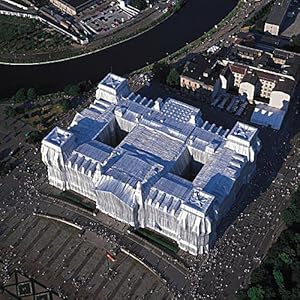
[195,18]
[191,47]
[147,21]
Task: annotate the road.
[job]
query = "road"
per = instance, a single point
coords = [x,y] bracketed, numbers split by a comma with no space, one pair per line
[223,36]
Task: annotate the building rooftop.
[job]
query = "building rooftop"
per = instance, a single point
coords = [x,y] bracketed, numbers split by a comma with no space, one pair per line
[268,116]
[194,69]
[239,62]
[202,69]
[243,131]
[250,77]
[58,137]
[76,3]
[278,12]
[152,163]
[285,85]
[153,143]
[112,81]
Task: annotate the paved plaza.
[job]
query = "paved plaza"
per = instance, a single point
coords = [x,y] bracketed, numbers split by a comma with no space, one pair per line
[73,266]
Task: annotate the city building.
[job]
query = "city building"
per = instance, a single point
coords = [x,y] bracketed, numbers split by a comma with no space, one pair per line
[130,10]
[267,79]
[71,7]
[276,18]
[201,73]
[153,164]
[197,74]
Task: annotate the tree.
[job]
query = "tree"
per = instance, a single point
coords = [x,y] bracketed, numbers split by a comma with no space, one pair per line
[65,105]
[279,274]
[256,293]
[43,121]
[285,258]
[259,275]
[178,5]
[173,78]
[160,71]
[278,278]
[72,90]
[291,214]
[241,295]
[85,86]
[67,88]
[139,4]
[31,94]
[296,40]
[20,95]
[34,137]
[10,111]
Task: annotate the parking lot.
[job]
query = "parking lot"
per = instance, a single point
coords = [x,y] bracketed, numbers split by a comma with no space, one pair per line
[102,20]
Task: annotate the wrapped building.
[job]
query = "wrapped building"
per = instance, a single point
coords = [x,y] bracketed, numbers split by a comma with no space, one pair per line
[152,163]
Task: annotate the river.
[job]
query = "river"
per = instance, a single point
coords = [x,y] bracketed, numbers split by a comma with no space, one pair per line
[195,18]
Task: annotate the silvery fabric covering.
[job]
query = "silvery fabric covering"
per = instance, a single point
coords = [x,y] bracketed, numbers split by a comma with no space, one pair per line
[152,163]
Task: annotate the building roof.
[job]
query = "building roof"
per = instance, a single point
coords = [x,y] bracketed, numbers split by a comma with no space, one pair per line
[266,76]
[76,3]
[262,60]
[250,77]
[195,69]
[268,116]
[160,139]
[278,12]
[226,72]
[263,63]
[235,68]
[292,66]
[112,81]
[249,51]
[285,85]
[283,54]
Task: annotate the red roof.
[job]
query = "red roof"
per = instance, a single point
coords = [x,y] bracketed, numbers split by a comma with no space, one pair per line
[238,69]
[266,76]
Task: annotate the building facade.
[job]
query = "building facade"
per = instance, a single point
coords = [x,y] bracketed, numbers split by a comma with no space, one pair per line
[64,7]
[199,74]
[152,164]
[257,74]
[71,7]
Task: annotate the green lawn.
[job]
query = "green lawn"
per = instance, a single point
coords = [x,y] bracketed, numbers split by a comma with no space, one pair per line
[20,35]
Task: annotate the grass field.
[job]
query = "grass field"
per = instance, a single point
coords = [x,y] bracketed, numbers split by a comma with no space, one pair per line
[20,35]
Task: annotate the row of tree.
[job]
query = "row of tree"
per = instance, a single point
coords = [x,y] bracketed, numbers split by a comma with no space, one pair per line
[166,75]
[23,95]
[139,4]
[294,44]
[278,277]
